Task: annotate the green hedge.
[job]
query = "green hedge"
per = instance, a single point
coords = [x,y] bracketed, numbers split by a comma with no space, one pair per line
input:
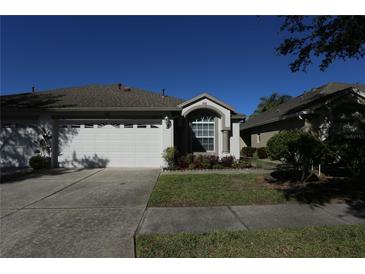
[39,162]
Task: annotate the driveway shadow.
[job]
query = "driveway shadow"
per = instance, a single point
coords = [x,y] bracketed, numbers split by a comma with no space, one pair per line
[13,175]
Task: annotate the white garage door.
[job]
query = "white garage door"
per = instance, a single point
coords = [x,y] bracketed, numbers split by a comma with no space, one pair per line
[112,145]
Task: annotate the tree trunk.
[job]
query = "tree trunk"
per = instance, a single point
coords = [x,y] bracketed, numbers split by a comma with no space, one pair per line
[302,177]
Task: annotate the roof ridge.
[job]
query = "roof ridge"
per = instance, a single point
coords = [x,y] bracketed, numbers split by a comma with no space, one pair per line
[68,88]
[98,85]
[93,95]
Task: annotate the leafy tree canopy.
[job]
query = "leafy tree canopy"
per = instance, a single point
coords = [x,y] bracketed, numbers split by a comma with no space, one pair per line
[328,37]
[269,102]
[297,148]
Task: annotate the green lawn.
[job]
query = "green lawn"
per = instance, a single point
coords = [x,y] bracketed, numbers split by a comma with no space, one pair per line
[337,241]
[262,163]
[213,190]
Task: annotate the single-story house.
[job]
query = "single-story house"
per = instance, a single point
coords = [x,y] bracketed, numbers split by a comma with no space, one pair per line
[328,109]
[115,126]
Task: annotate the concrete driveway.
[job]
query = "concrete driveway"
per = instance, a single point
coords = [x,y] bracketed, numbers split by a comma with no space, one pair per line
[74,213]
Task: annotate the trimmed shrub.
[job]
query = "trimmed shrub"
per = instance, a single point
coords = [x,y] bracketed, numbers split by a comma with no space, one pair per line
[217,166]
[182,162]
[201,161]
[262,153]
[206,163]
[227,161]
[170,155]
[298,148]
[278,145]
[248,151]
[190,158]
[213,159]
[198,162]
[39,162]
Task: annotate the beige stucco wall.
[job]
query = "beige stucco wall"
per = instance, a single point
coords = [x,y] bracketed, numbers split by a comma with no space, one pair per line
[242,143]
[267,131]
[264,138]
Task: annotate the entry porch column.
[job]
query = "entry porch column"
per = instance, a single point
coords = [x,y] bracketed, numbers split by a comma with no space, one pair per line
[225,134]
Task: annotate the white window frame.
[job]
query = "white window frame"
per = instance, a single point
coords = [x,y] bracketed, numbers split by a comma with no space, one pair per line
[258,136]
[209,122]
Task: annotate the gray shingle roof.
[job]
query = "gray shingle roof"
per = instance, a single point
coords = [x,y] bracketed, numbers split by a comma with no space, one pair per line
[297,104]
[91,96]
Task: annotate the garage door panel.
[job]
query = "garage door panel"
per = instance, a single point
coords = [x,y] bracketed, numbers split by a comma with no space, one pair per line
[147,150]
[144,162]
[115,146]
[149,131]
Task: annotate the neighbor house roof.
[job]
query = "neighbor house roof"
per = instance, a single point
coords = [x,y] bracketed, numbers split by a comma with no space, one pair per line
[91,97]
[299,103]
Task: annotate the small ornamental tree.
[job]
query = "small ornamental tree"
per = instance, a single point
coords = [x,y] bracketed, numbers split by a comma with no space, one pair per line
[278,146]
[44,142]
[298,148]
[42,159]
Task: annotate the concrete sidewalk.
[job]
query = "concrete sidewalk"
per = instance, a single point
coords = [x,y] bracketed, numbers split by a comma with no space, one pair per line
[206,219]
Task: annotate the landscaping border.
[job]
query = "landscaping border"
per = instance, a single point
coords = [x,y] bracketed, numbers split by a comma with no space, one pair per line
[217,171]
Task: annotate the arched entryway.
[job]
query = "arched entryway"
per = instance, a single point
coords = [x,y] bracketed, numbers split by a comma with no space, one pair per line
[205,131]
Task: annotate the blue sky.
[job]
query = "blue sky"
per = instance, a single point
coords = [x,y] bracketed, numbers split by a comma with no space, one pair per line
[231,57]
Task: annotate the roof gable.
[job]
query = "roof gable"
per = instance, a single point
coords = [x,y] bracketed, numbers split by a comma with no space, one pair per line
[208,96]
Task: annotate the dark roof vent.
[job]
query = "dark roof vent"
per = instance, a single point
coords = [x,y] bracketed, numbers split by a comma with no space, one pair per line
[127,89]
[119,86]
[33,89]
[163,93]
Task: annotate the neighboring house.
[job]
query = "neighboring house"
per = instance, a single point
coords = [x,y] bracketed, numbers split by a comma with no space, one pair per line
[115,125]
[334,108]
